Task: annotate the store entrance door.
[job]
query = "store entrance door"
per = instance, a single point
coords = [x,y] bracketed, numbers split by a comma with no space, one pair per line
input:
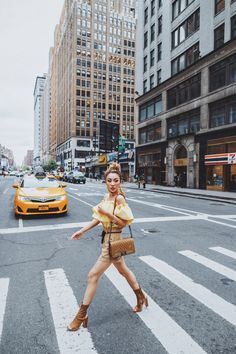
[232,178]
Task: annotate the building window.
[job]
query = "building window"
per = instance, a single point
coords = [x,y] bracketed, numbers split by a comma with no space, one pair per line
[186,29]
[144,86]
[185,59]
[151,81]
[152,37]
[145,64]
[159,3]
[152,57]
[150,133]
[159,51]
[158,77]
[145,39]
[223,112]
[186,123]
[146,16]
[219,6]
[160,25]
[153,7]
[219,34]
[150,109]
[223,73]
[179,6]
[233,27]
[184,92]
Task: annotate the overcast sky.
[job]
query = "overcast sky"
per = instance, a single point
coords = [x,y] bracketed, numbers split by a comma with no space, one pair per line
[26,35]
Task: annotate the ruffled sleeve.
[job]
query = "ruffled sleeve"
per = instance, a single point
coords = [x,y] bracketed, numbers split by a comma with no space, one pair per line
[124,212]
[98,216]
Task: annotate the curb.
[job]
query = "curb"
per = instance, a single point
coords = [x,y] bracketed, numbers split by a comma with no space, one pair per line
[190,195]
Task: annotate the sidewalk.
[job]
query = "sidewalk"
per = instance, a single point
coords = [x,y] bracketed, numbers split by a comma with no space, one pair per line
[226,197]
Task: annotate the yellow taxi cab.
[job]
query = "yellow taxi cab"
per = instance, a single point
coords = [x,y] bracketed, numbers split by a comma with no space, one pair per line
[44,195]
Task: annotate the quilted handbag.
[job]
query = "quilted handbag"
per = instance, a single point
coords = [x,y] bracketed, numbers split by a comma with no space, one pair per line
[121,247]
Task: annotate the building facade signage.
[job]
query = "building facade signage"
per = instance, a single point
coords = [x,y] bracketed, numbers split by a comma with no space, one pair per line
[220,159]
[112,156]
[102,159]
[180,162]
[232,158]
[127,156]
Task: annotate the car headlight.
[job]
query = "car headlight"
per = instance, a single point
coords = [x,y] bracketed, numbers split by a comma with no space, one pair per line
[26,199]
[60,197]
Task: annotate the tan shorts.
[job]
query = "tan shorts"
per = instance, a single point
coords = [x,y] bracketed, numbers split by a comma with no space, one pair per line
[104,256]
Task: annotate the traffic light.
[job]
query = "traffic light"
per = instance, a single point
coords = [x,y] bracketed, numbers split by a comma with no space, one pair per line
[121,146]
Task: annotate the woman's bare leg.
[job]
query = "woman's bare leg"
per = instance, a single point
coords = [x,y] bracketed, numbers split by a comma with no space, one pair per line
[93,276]
[127,273]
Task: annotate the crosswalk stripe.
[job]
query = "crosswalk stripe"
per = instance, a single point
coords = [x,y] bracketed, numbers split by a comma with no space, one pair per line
[173,338]
[217,267]
[4,283]
[220,306]
[63,307]
[224,251]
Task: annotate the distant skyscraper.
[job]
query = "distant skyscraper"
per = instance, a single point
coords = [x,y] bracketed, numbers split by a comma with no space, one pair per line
[38,92]
[92,76]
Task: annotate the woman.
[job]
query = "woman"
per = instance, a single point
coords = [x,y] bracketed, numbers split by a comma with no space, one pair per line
[113,209]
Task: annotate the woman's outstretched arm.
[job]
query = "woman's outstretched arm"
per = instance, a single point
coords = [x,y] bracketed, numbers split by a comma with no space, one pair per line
[78,234]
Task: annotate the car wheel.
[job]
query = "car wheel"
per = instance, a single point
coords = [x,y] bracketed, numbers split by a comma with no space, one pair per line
[84,182]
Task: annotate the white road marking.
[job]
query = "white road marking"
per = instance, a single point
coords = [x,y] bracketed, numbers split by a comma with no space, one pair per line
[217,267]
[64,307]
[82,224]
[4,283]
[5,191]
[74,189]
[224,251]
[20,223]
[214,302]
[173,338]
[93,194]
[82,201]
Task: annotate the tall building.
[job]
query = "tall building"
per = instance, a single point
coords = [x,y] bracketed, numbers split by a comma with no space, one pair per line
[92,76]
[186,87]
[38,112]
[28,160]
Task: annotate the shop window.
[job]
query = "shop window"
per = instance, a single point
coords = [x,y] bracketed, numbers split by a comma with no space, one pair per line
[216,149]
[215,177]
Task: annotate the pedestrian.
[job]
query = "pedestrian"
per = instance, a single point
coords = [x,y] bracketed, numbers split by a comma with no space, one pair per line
[114,214]
[176,180]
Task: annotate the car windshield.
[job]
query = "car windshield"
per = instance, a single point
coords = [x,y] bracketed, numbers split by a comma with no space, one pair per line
[46,182]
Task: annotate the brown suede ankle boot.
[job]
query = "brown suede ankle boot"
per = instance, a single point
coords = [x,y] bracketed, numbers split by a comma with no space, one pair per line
[141,300]
[81,317]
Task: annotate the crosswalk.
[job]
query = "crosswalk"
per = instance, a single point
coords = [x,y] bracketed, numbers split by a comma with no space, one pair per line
[168,332]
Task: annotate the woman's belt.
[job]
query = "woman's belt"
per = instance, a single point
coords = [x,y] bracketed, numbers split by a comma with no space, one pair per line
[104,232]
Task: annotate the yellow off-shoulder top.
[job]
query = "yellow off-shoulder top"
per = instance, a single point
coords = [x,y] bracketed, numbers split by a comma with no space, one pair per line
[122,211]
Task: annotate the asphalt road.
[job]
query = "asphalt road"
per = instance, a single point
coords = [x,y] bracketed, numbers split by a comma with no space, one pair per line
[185,262]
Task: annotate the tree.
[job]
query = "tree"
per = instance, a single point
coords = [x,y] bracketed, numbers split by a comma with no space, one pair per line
[52,165]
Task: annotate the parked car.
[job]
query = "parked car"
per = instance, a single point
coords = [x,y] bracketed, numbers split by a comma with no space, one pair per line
[76,177]
[44,195]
